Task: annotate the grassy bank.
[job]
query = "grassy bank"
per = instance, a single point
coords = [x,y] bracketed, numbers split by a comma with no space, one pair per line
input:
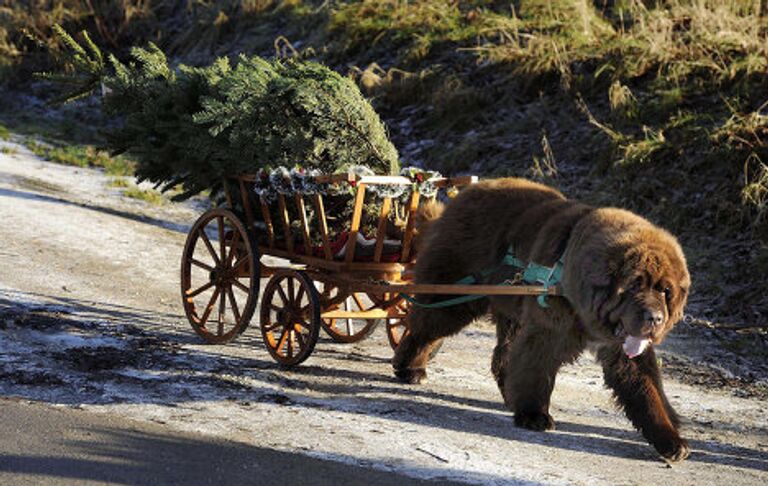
[658,106]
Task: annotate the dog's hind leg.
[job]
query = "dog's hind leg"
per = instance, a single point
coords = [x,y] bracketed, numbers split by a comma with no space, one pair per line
[506,329]
[426,330]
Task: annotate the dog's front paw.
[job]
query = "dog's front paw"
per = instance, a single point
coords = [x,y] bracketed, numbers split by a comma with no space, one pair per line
[534,421]
[674,450]
[414,376]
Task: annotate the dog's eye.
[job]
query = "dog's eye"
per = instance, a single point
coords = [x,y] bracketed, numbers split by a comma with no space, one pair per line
[667,293]
[663,289]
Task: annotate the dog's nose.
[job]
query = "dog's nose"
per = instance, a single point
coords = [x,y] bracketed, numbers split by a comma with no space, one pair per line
[653,319]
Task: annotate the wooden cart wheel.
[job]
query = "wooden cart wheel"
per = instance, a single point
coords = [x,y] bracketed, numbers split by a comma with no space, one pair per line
[349,330]
[397,327]
[290,316]
[219,276]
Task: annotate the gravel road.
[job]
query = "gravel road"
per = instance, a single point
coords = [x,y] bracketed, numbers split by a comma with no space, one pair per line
[91,323]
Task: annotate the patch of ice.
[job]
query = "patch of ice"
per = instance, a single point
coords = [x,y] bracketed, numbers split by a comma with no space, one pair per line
[143,374]
[67,340]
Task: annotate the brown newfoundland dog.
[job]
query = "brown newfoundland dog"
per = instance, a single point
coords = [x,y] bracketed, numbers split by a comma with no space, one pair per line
[624,286]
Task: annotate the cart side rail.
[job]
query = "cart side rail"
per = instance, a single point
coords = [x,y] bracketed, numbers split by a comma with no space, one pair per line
[300,201]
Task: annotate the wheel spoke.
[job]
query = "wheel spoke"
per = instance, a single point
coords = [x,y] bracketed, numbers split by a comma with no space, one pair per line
[235,309]
[208,245]
[200,264]
[209,307]
[282,294]
[359,303]
[302,323]
[272,327]
[240,286]
[222,248]
[300,294]
[222,310]
[290,289]
[301,341]
[281,342]
[290,343]
[239,263]
[275,307]
[232,245]
[350,327]
[193,293]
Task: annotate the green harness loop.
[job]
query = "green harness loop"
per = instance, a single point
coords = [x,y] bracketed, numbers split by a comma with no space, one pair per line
[532,273]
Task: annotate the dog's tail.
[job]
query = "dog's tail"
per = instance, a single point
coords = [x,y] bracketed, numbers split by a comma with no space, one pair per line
[429,211]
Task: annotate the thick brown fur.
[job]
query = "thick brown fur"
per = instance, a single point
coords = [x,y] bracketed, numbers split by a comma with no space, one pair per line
[427,213]
[622,275]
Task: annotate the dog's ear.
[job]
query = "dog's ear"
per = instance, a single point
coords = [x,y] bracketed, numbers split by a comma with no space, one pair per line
[595,268]
[589,279]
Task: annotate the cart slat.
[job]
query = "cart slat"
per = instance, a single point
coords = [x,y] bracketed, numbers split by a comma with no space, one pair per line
[355,226]
[323,225]
[381,231]
[286,222]
[304,225]
[410,226]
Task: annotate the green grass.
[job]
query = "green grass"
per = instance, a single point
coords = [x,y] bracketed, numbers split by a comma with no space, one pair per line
[119,182]
[8,150]
[89,156]
[5,134]
[82,156]
[148,195]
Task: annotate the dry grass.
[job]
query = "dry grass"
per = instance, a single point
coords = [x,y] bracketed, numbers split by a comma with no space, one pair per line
[147,195]
[656,106]
[658,63]
[120,182]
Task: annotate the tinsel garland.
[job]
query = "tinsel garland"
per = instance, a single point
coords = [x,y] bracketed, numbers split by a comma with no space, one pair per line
[421,180]
[301,181]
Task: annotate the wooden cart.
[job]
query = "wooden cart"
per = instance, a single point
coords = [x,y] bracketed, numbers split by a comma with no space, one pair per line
[221,270]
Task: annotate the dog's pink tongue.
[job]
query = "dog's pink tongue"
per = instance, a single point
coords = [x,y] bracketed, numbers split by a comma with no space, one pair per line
[634,346]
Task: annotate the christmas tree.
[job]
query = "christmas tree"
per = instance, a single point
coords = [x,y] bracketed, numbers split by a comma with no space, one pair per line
[192,126]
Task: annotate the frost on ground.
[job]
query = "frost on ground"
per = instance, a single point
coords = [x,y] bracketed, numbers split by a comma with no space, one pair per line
[90,317]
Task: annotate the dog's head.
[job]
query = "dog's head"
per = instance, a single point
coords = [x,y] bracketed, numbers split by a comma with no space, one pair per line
[626,278]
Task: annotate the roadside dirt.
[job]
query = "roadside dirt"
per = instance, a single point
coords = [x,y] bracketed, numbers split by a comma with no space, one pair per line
[91,318]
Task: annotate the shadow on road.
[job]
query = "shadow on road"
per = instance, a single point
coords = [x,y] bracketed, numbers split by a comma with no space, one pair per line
[161,367]
[161,223]
[124,456]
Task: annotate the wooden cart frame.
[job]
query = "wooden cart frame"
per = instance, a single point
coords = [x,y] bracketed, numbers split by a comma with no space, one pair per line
[221,270]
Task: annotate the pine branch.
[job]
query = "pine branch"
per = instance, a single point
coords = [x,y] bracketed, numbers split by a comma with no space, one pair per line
[88,68]
[193,125]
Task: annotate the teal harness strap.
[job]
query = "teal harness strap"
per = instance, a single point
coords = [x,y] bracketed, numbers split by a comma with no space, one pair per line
[443,303]
[468,280]
[535,273]
[532,273]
